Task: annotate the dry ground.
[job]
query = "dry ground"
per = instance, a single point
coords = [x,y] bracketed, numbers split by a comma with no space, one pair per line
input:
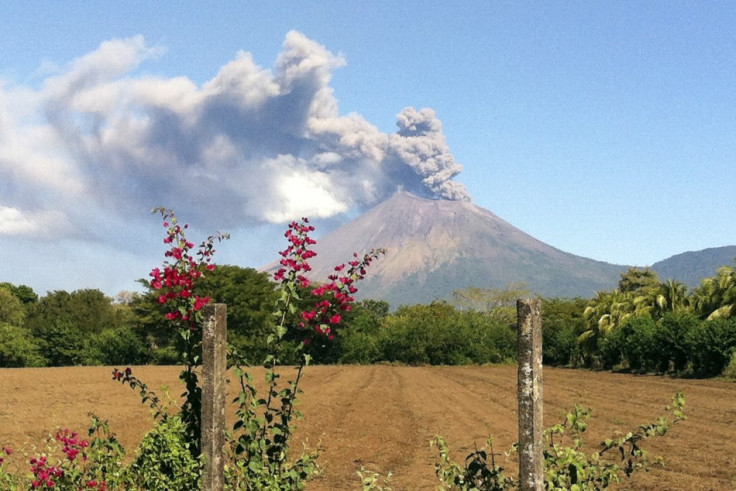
[382,417]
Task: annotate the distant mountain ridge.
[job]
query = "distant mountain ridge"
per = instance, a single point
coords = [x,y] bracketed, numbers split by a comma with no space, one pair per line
[692,266]
[437,246]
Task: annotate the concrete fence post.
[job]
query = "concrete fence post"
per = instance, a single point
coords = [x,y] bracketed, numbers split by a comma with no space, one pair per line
[531,460]
[214,386]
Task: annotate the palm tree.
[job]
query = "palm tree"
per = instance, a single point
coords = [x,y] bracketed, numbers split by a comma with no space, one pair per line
[670,297]
[608,311]
[716,296]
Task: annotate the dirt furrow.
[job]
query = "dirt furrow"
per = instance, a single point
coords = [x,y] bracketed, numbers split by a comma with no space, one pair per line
[382,417]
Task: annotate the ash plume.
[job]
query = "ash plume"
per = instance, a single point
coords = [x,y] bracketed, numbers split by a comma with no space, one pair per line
[252,145]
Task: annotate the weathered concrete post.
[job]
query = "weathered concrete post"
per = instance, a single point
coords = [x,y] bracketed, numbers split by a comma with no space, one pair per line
[531,460]
[214,367]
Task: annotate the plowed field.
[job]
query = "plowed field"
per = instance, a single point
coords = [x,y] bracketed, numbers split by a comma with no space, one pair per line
[382,417]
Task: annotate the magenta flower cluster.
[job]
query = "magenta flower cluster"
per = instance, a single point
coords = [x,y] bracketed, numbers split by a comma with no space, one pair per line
[333,297]
[178,278]
[6,451]
[47,476]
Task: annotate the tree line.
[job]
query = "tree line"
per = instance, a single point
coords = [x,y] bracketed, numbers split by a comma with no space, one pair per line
[648,325]
[85,327]
[643,325]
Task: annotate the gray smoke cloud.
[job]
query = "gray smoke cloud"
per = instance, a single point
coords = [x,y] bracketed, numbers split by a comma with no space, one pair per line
[251,145]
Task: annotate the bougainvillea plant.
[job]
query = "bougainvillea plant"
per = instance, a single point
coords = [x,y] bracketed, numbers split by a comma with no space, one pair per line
[176,281]
[261,435]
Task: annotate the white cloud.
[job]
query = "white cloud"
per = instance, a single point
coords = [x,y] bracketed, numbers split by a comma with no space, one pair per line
[14,222]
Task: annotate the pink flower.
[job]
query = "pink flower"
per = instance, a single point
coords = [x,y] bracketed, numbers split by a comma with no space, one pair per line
[200,302]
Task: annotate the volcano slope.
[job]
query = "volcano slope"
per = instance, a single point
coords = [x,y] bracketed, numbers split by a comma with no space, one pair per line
[382,417]
[437,246]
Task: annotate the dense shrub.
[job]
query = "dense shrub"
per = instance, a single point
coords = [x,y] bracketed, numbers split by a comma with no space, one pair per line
[164,460]
[118,347]
[671,348]
[63,345]
[358,341]
[610,349]
[677,343]
[630,345]
[639,348]
[711,345]
[438,334]
[562,325]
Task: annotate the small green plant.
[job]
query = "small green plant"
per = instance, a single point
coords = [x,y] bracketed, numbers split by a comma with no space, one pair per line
[372,480]
[477,473]
[164,459]
[566,466]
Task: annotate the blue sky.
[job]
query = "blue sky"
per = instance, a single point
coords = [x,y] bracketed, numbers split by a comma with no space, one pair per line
[606,130]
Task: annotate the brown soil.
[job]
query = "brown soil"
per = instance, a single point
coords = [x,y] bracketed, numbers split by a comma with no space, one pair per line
[383,417]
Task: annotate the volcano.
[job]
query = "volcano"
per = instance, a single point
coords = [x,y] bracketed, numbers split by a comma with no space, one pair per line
[434,247]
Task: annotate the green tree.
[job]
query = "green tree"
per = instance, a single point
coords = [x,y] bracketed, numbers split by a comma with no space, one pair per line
[66,323]
[18,348]
[358,340]
[152,327]
[11,309]
[88,310]
[64,345]
[638,295]
[412,332]
[250,297]
[24,293]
